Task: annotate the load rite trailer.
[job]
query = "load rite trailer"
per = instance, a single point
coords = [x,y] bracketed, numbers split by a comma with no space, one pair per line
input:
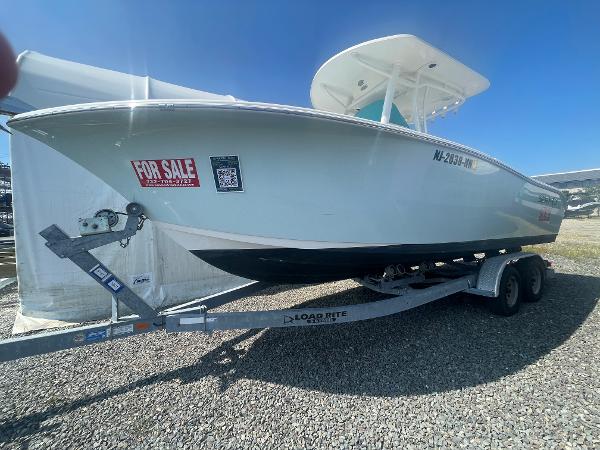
[506,279]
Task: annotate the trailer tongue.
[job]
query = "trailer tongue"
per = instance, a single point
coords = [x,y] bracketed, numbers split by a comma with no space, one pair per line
[505,279]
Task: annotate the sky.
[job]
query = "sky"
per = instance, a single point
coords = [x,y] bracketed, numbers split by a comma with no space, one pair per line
[541,113]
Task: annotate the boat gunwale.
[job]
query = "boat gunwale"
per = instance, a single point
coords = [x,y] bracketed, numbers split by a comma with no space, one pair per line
[168,104]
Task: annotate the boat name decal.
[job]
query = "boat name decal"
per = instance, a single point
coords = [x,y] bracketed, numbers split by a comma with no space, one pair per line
[545,199]
[317,318]
[455,160]
[179,172]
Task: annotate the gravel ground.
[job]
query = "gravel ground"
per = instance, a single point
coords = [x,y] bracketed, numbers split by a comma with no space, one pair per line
[448,374]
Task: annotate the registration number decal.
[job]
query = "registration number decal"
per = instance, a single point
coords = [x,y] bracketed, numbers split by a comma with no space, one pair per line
[455,159]
[166,172]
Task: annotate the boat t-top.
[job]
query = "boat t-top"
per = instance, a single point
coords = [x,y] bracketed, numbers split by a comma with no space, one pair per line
[398,79]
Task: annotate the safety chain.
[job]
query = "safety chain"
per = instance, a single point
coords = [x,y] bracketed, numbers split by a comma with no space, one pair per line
[141,219]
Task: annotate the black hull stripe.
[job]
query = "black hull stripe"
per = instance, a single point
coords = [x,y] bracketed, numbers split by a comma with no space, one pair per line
[293,265]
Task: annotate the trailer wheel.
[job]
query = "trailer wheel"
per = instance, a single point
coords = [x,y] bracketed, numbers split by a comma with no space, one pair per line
[533,275]
[509,300]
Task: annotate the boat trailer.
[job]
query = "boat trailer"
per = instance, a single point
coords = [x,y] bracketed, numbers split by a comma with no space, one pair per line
[486,277]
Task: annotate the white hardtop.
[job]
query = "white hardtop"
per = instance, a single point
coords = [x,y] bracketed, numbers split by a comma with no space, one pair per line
[425,82]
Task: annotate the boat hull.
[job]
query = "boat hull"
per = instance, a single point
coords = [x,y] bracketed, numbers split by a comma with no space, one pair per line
[322,196]
[293,265]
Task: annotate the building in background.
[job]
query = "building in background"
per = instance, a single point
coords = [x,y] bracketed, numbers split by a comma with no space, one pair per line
[571,180]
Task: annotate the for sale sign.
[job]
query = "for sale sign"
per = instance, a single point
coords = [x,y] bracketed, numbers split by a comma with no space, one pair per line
[166,172]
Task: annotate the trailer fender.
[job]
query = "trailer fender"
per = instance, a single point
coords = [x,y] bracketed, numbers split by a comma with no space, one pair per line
[490,273]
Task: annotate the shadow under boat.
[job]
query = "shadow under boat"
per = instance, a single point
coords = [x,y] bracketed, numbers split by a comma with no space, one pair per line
[446,345]
[449,344]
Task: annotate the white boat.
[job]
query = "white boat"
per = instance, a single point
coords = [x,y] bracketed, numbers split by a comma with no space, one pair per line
[287,194]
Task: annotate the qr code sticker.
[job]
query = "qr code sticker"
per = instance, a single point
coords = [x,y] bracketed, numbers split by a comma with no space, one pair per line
[227,178]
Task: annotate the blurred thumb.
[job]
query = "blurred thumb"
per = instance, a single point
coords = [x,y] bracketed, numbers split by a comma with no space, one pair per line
[8,67]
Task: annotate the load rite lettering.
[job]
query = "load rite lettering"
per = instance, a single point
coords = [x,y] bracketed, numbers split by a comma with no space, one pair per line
[329,315]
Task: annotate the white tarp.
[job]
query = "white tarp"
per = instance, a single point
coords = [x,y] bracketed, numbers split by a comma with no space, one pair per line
[45,82]
[49,188]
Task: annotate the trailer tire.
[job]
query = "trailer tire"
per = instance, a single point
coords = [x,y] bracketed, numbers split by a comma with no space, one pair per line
[509,299]
[533,276]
